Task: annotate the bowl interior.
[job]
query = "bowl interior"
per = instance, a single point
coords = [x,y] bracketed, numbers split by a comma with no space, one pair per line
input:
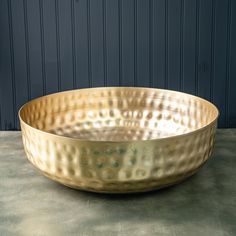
[118,114]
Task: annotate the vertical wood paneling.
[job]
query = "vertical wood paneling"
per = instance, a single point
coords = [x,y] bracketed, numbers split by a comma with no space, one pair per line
[196,85]
[7,93]
[150,43]
[112,42]
[189,44]
[120,39]
[58,44]
[181,41]
[89,43]
[72,21]
[173,45]
[48,46]
[228,62]
[104,29]
[232,66]
[51,45]
[81,43]
[204,59]
[35,50]
[42,45]
[219,66]
[20,67]
[135,40]
[26,28]
[97,62]
[65,47]
[166,82]
[128,43]
[212,66]
[142,43]
[158,43]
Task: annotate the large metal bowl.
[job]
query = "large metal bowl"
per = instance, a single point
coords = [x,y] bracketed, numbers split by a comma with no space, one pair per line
[118,139]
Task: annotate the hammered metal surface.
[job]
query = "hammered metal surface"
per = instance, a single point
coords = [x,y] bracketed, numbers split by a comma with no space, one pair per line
[118,139]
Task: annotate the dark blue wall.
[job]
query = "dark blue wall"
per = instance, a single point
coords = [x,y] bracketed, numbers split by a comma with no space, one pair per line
[52,45]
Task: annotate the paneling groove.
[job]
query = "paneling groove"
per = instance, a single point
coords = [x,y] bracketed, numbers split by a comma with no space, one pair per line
[232,68]
[54,45]
[166,45]
[151,43]
[196,85]
[73,42]
[181,87]
[89,44]
[27,49]
[135,42]
[13,79]
[42,45]
[120,39]
[212,74]
[104,41]
[228,64]
[58,46]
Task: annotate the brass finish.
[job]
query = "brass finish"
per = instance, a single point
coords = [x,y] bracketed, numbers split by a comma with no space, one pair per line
[118,139]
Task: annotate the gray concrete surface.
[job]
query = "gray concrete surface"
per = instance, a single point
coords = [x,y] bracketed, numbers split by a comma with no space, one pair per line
[31,204]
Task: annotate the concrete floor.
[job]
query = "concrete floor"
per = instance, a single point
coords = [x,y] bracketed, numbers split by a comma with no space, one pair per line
[31,204]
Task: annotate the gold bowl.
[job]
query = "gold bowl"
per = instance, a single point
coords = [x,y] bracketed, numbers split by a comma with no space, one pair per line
[118,139]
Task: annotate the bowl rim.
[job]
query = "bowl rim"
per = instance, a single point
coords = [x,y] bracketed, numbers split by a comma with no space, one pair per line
[214,120]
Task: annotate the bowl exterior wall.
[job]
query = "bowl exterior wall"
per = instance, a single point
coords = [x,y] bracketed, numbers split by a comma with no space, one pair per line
[118,167]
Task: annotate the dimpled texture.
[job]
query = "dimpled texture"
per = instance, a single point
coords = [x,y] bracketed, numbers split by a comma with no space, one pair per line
[118,140]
